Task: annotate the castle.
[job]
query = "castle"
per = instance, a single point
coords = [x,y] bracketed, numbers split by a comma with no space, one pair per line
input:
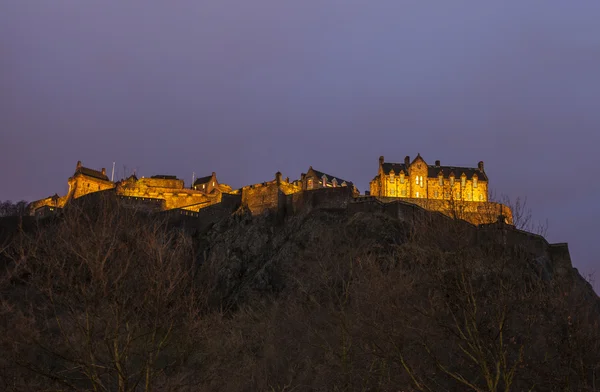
[460,192]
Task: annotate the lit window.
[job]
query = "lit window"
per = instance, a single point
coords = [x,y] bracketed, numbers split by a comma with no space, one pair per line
[421,181]
[391,179]
[203,186]
[310,183]
[474,182]
[417,195]
[441,180]
[451,181]
[213,183]
[402,178]
[463,181]
[416,180]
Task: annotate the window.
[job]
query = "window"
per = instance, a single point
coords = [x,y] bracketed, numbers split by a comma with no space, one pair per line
[480,197]
[451,181]
[474,182]
[441,180]
[310,183]
[463,181]
[417,194]
[403,193]
[401,178]
[391,178]
[203,186]
[416,180]
[458,194]
[213,183]
[421,181]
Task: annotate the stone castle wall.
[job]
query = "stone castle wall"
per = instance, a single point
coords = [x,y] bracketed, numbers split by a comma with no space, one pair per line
[472,211]
[268,196]
[338,197]
[81,185]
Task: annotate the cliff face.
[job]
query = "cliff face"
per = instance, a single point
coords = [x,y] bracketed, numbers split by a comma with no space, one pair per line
[334,298]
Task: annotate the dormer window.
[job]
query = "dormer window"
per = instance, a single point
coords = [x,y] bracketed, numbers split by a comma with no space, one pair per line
[391,179]
[324,182]
[475,182]
[451,180]
[463,181]
[441,179]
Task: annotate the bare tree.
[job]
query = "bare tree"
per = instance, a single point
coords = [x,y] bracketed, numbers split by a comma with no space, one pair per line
[107,301]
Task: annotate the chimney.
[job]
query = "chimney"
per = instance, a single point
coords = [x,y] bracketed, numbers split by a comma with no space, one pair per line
[381,160]
[437,163]
[287,179]
[278,177]
[302,175]
[103,171]
[480,166]
[407,160]
[78,165]
[214,175]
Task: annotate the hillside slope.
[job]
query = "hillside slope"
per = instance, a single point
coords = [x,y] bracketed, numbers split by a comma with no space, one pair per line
[323,300]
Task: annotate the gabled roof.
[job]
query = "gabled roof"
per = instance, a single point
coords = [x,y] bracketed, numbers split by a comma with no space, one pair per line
[433,172]
[397,167]
[330,177]
[202,180]
[91,173]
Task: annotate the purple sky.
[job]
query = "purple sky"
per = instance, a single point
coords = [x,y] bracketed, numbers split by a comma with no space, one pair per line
[246,88]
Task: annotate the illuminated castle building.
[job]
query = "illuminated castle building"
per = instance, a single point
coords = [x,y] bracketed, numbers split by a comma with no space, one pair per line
[418,180]
[460,192]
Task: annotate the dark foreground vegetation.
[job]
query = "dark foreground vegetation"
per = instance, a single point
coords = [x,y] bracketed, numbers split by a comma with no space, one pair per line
[111,300]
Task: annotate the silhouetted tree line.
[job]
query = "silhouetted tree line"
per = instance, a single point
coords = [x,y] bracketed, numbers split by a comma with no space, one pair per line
[105,299]
[9,208]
